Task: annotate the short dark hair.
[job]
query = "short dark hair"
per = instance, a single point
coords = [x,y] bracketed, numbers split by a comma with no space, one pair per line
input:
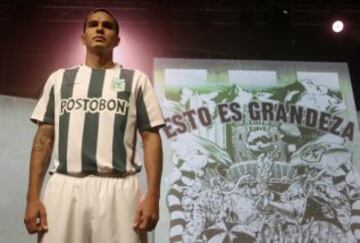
[102,10]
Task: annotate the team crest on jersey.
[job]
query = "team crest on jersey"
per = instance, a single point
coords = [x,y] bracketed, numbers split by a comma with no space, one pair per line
[118,84]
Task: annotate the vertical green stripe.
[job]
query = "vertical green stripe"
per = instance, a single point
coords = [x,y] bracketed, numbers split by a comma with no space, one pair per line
[91,125]
[119,152]
[49,114]
[67,87]
[142,115]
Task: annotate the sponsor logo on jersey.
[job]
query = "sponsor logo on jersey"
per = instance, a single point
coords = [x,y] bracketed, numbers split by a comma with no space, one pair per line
[94,105]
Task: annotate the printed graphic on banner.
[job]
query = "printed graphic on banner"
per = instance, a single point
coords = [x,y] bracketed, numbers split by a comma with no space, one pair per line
[258,152]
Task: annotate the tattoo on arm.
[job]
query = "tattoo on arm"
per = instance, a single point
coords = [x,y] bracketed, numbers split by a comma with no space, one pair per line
[40,158]
[44,138]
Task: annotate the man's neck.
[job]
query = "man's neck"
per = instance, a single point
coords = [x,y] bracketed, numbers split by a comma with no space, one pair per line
[96,60]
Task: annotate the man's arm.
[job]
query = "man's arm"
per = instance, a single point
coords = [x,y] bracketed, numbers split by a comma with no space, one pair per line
[148,210]
[39,163]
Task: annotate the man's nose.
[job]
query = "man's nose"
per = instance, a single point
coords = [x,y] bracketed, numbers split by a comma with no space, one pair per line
[99,29]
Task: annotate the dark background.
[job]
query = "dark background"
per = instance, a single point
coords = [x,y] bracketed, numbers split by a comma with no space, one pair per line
[38,37]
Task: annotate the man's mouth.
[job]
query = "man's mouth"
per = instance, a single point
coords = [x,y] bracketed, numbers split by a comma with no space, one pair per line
[99,38]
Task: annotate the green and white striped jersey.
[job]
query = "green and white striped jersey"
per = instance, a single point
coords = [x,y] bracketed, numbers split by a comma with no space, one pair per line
[96,113]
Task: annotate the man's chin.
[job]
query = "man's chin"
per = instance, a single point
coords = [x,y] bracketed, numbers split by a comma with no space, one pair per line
[99,48]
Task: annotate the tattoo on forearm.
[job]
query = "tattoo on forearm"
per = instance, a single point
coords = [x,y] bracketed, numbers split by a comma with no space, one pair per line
[38,147]
[40,158]
[43,140]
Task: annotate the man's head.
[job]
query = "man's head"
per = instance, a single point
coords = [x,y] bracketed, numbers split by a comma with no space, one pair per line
[100,31]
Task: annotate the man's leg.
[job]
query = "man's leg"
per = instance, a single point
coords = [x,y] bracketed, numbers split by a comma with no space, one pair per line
[115,210]
[67,208]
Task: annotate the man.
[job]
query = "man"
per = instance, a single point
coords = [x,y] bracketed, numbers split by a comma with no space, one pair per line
[89,116]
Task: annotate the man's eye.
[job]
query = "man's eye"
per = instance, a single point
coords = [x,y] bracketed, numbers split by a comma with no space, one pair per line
[108,25]
[92,24]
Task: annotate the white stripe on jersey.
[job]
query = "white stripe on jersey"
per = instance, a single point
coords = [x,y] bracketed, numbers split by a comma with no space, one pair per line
[151,103]
[76,121]
[40,109]
[130,126]
[59,75]
[104,155]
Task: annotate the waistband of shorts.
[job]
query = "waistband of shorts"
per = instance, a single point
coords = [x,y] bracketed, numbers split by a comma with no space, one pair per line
[96,174]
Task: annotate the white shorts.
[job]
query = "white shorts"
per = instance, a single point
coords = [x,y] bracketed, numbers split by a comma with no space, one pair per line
[91,209]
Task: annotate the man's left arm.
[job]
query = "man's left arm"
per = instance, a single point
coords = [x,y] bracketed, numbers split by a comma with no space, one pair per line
[147,214]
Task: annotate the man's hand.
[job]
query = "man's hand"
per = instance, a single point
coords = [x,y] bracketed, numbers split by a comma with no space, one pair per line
[35,217]
[147,214]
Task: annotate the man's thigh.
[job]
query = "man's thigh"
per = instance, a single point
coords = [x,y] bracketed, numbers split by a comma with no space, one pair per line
[91,209]
[114,211]
[67,211]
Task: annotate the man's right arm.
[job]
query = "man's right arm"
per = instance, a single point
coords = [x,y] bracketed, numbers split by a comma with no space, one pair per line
[35,214]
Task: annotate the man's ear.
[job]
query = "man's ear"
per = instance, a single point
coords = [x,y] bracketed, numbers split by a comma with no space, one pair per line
[82,38]
[117,41]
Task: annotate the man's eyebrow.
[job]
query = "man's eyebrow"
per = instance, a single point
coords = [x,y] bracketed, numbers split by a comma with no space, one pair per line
[106,22]
[92,22]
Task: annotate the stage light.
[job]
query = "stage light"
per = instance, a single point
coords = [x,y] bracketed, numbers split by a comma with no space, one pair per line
[337,26]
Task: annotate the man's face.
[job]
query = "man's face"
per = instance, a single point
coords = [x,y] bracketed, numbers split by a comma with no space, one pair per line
[100,33]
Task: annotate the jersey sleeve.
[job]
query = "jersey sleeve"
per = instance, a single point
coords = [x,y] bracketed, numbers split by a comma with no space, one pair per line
[149,114]
[45,107]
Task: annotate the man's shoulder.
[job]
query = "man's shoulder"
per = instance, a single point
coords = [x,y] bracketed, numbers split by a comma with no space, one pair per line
[57,75]
[69,69]
[136,72]
[62,70]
